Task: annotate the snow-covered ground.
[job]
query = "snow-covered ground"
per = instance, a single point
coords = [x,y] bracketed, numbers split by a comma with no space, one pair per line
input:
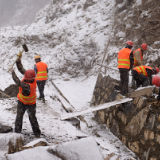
[56,131]
[71,38]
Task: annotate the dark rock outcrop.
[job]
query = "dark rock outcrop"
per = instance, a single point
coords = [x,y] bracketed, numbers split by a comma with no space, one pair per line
[11,91]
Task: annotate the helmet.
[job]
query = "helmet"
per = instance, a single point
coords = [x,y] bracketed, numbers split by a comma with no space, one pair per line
[157,70]
[30,74]
[129,43]
[156,81]
[37,56]
[144,46]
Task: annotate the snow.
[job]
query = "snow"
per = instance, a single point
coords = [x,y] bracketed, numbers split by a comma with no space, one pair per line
[6,138]
[38,153]
[72,42]
[85,148]
[35,142]
[99,107]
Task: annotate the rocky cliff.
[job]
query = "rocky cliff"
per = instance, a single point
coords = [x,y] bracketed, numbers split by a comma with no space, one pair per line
[137,21]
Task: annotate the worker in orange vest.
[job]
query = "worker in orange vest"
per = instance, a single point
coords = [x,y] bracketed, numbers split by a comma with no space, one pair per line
[41,70]
[26,98]
[143,75]
[138,58]
[125,63]
[138,55]
[156,82]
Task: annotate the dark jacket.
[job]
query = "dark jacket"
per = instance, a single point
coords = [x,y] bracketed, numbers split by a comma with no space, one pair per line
[25,87]
[150,73]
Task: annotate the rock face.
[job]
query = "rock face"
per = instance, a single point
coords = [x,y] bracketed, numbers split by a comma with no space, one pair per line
[102,92]
[136,123]
[137,21]
[11,91]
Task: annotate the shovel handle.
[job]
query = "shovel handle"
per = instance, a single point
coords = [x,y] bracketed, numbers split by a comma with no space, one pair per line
[13,63]
[18,56]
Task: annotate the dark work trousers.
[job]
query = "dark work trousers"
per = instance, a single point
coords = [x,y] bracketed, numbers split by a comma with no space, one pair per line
[140,79]
[31,109]
[124,77]
[41,85]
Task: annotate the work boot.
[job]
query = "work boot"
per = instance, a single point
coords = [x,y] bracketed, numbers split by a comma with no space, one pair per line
[39,98]
[134,87]
[43,100]
[37,136]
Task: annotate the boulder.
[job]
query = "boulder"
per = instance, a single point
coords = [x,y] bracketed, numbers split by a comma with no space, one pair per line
[10,91]
[5,129]
[11,142]
[36,143]
[38,153]
[143,91]
[83,149]
[136,124]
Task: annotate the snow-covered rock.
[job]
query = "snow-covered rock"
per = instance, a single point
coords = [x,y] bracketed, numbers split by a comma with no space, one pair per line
[83,149]
[36,143]
[38,153]
[11,142]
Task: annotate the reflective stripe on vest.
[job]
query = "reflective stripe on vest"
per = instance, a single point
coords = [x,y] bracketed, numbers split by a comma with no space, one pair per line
[124,58]
[31,99]
[41,71]
[142,70]
[135,60]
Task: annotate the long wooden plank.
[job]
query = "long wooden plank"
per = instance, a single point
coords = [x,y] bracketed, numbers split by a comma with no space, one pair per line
[65,104]
[100,107]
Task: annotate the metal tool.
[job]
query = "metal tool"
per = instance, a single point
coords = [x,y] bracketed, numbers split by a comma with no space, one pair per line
[25,48]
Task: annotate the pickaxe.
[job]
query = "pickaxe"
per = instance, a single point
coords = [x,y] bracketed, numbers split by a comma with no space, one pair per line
[25,48]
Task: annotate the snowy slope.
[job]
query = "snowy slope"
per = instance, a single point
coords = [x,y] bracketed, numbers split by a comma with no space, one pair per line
[71,37]
[72,43]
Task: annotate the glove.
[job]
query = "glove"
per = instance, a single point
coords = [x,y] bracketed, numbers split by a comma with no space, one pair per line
[20,54]
[158,97]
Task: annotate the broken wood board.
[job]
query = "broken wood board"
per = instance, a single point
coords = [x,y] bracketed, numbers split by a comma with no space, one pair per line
[100,107]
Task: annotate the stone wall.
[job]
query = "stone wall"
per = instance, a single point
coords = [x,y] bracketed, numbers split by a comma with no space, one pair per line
[135,123]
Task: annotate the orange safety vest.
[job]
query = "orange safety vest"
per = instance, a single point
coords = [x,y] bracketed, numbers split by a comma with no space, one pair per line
[124,58]
[135,60]
[142,70]
[41,71]
[31,99]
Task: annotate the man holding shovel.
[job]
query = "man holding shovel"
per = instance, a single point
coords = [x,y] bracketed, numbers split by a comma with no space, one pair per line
[26,98]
